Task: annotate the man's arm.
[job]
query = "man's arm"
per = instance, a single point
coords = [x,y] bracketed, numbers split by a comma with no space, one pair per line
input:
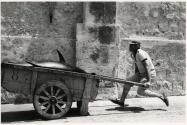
[136,69]
[146,66]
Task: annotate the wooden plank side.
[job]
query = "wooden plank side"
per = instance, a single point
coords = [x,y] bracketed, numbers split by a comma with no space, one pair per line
[16,80]
[81,86]
[33,82]
[78,87]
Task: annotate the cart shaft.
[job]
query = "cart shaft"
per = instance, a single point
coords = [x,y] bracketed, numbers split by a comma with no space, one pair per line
[112,79]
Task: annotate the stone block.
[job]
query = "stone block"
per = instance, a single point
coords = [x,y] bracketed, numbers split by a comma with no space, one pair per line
[100,13]
[93,55]
[141,18]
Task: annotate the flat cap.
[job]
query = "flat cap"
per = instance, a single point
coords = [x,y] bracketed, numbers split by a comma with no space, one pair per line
[135,42]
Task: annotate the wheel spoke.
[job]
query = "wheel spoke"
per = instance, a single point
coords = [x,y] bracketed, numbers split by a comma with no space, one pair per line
[58,106]
[53,108]
[47,108]
[61,96]
[43,97]
[62,102]
[44,103]
[51,90]
[57,92]
[48,95]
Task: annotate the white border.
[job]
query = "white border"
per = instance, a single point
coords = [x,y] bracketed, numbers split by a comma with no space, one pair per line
[108,123]
[94,0]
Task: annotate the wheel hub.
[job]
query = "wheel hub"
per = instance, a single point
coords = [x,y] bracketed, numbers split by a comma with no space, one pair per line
[53,100]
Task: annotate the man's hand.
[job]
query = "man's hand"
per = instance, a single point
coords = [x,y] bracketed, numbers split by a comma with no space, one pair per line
[147,84]
[143,80]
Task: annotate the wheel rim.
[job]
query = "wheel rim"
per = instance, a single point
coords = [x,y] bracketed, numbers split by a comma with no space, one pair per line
[52,100]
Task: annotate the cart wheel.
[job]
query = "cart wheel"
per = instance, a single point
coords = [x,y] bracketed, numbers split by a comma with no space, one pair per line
[52,100]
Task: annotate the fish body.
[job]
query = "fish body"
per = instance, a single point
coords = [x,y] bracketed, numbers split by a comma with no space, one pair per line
[56,65]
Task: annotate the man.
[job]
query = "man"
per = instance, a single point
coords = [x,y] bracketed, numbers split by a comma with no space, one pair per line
[144,73]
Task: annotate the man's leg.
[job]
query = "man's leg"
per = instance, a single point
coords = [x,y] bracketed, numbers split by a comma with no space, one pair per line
[126,89]
[145,92]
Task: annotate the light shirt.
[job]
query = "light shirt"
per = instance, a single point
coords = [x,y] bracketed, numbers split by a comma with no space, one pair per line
[140,56]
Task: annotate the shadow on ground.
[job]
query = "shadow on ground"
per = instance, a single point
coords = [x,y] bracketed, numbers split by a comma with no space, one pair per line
[31,115]
[133,109]
[20,116]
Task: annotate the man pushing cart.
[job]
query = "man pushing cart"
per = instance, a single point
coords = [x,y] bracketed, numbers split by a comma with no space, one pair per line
[144,73]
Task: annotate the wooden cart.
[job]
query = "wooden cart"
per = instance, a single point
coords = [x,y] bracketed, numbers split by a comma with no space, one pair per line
[53,90]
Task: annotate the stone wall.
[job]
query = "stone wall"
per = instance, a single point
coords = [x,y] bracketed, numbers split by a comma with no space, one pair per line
[158,19]
[33,30]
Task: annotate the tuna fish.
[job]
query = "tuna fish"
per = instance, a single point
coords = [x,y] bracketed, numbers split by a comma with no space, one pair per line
[57,65]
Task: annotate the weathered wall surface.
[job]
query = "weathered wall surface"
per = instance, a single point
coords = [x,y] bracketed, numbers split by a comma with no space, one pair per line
[100,13]
[96,45]
[28,31]
[34,30]
[170,58]
[158,19]
[93,55]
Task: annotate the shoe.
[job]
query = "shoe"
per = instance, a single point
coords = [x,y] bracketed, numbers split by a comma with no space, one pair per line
[165,99]
[118,102]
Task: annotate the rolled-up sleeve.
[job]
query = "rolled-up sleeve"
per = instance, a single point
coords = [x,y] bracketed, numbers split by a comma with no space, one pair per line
[141,55]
